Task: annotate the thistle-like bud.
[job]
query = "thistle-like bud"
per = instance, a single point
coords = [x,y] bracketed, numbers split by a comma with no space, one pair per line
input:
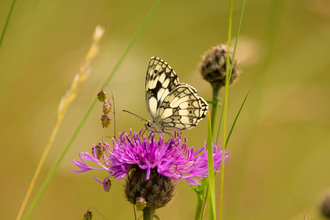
[157,191]
[99,150]
[88,215]
[106,107]
[325,205]
[105,121]
[102,96]
[107,184]
[213,66]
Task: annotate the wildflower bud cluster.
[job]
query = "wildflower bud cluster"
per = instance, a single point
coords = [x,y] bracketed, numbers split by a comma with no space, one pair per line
[105,119]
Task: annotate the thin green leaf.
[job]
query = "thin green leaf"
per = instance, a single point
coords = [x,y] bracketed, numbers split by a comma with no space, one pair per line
[232,127]
[275,11]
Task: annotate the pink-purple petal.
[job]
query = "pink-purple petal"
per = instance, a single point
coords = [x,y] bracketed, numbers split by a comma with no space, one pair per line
[171,158]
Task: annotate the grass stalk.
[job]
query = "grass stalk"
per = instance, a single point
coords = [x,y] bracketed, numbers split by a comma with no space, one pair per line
[228,77]
[66,100]
[56,165]
[225,105]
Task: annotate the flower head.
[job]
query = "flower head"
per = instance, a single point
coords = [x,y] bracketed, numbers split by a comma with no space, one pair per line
[170,158]
[214,66]
[152,166]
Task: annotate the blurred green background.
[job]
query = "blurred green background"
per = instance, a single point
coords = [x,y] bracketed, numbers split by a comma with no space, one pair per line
[280,154]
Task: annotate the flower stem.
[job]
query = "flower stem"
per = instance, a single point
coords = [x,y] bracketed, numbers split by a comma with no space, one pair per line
[201,200]
[148,214]
[215,103]
[200,203]
[201,191]
[210,161]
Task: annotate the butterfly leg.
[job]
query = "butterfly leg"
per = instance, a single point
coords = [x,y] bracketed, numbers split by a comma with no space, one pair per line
[150,133]
[143,133]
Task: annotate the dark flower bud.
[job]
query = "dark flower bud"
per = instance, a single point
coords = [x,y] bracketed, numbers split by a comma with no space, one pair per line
[99,150]
[105,121]
[106,107]
[107,184]
[88,215]
[157,191]
[102,96]
[213,66]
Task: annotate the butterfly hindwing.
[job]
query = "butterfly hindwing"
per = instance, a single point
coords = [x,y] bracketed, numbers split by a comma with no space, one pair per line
[171,105]
[182,109]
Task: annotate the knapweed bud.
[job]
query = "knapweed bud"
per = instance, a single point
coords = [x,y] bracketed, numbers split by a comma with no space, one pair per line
[107,185]
[140,203]
[106,107]
[325,205]
[102,96]
[105,121]
[157,191]
[99,150]
[88,215]
[213,66]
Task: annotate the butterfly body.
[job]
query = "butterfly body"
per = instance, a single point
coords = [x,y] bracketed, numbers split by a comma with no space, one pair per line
[171,105]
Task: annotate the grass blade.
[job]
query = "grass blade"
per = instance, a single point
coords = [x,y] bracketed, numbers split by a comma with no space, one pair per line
[239,111]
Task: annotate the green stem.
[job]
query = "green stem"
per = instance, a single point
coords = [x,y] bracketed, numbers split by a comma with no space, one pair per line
[225,105]
[7,21]
[200,203]
[204,203]
[148,214]
[215,103]
[200,190]
[210,161]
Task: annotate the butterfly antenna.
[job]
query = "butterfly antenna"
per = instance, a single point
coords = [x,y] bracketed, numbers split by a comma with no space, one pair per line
[135,115]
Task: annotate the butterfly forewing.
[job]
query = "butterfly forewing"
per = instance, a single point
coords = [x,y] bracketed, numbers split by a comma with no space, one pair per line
[171,105]
[160,81]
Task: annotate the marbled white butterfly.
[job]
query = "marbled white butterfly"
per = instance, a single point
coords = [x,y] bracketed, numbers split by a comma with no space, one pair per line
[171,105]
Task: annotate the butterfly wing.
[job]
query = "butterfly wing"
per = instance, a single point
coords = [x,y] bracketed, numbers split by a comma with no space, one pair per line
[161,80]
[171,105]
[181,109]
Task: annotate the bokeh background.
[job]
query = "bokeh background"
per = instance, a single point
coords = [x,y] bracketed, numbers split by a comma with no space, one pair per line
[280,148]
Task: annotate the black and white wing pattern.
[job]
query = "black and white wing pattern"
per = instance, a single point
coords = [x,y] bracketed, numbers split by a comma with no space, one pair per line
[171,105]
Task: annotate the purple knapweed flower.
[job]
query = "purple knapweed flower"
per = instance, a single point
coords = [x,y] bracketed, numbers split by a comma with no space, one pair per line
[152,166]
[170,158]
